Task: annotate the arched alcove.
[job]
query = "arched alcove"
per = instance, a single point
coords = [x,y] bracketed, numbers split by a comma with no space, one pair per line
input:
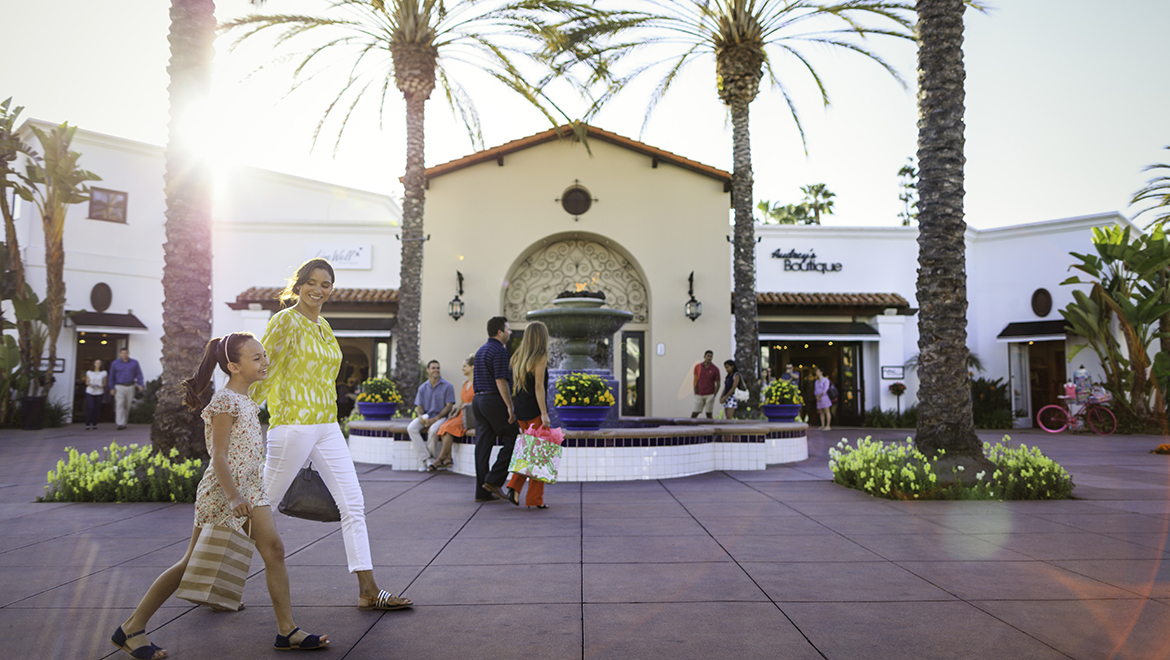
[560,263]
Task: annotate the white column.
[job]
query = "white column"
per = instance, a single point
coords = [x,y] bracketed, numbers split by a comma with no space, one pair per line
[891,353]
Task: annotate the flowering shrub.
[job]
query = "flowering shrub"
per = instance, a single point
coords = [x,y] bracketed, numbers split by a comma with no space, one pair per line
[379,390]
[126,474]
[900,471]
[577,389]
[897,389]
[782,391]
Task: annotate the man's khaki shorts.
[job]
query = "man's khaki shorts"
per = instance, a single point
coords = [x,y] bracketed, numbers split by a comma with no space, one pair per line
[704,403]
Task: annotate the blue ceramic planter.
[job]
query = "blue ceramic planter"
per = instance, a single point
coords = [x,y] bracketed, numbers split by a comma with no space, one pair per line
[781,412]
[376,411]
[582,418]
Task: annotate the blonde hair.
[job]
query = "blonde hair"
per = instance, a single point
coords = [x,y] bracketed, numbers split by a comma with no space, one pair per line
[533,349]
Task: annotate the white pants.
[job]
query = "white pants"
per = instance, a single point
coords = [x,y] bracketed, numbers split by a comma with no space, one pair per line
[123,397]
[290,447]
[430,448]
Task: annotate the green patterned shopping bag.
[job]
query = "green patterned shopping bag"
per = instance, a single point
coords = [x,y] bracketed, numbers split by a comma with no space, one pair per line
[538,454]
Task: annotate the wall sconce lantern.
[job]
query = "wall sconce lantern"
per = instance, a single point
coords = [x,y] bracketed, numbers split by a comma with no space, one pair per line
[455,307]
[694,308]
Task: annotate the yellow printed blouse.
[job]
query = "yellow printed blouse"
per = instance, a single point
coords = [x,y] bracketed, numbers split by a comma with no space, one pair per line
[303,361]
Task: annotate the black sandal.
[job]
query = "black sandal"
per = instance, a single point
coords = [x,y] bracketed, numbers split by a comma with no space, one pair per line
[144,652]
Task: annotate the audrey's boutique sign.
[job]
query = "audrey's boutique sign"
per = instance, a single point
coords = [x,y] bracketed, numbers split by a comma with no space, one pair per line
[804,261]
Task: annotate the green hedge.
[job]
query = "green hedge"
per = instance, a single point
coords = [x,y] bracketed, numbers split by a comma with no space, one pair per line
[123,474]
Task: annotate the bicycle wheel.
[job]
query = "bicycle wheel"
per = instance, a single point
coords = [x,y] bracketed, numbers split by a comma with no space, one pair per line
[1102,420]
[1053,419]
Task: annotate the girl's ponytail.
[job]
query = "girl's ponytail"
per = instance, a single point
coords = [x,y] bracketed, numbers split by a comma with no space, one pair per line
[218,352]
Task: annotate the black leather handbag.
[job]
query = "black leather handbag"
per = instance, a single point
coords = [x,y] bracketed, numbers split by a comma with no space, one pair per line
[308,497]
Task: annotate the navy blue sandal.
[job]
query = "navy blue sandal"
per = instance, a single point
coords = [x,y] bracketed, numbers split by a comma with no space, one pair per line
[309,643]
[144,652]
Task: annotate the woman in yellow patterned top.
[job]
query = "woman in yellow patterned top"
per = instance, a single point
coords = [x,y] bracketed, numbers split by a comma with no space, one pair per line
[301,392]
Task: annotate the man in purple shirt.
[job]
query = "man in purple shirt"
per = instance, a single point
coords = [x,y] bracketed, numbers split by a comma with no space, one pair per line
[125,380]
[494,415]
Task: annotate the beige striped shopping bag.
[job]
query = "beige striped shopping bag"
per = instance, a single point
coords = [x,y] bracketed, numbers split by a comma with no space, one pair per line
[218,567]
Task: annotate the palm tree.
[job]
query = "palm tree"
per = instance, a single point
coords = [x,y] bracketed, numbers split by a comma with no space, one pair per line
[187,252]
[819,200]
[62,185]
[746,38]
[1157,191]
[945,416]
[423,38]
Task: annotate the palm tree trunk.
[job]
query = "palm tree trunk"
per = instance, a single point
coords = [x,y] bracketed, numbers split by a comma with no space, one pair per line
[747,335]
[945,418]
[410,277]
[187,252]
[54,297]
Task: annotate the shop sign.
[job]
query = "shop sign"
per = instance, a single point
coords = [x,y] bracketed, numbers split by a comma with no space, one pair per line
[804,261]
[342,256]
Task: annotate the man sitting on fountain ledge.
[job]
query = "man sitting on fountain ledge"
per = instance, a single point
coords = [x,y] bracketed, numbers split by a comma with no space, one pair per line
[434,400]
[494,415]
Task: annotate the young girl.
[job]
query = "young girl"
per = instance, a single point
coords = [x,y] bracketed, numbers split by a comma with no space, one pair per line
[530,372]
[230,492]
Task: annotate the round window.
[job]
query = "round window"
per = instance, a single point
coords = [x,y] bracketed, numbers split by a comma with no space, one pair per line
[1041,302]
[576,200]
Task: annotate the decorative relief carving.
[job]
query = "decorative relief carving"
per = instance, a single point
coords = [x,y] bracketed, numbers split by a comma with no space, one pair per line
[558,266]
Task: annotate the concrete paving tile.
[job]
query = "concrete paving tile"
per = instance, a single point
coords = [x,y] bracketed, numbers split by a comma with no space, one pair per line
[897,524]
[934,547]
[10,542]
[378,528]
[475,551]
[840,581]
[634,509]
[708,510]
[1091,629]
[17,510]
[1117,522]
[796,548]
[1148,507]
[474,631]
[1051,507]
[1000,522]
[870,507]
[650,549]
[732,495]
[325,586]
[1156,541]
[82,550]
[55,588]
[1085,545]
[946,507]
[642,527]
[943,630]
[520,525]
[202,633]
[667,583]
[69,633]
[497,584]
[745,631]
[383,552]
[763,526]
[1011,580]
[1145,577]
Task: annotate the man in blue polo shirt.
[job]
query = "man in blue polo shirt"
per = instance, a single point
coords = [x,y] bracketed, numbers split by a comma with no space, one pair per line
[494,415]
[125,376]
[435,399]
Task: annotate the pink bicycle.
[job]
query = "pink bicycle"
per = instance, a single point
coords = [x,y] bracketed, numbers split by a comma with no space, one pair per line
[1057,417]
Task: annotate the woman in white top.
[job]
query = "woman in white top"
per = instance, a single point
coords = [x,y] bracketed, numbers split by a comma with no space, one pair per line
[95,389]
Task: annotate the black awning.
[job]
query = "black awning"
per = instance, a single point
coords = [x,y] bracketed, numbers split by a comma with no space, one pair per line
[827,330]
[106,322]
[1034,331]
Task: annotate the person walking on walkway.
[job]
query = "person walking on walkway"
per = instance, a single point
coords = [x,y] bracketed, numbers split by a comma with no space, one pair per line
[529,396]
[124,381]
[232,490]
[495,416]
[302,403]
[95,391]
[824,403]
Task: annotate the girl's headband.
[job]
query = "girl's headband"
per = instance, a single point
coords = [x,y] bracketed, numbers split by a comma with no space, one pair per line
[226,359]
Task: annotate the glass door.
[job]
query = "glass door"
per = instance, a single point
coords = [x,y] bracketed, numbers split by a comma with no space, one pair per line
[633,373]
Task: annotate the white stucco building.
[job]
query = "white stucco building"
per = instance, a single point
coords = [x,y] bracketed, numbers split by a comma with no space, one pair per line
[530,218]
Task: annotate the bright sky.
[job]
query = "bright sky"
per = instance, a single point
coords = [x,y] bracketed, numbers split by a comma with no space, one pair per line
[1066,103]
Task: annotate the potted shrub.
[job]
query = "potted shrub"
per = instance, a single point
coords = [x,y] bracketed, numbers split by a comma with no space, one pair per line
[582,400]
[379,399]
[782,401]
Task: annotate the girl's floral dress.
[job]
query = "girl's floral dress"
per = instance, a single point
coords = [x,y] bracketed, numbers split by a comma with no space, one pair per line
[245,458]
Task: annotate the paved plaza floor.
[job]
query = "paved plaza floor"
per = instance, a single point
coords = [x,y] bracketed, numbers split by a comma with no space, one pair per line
[779,563]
